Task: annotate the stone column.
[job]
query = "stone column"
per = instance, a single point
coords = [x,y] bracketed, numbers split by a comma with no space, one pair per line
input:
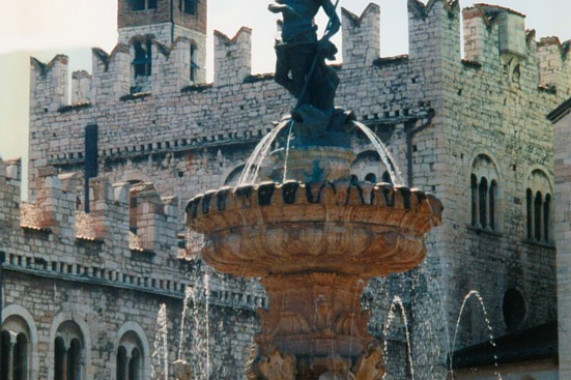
[11,345]
[127,365]
[64,365]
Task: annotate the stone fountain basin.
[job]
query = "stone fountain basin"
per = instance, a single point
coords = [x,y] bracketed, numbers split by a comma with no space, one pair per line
[358,229]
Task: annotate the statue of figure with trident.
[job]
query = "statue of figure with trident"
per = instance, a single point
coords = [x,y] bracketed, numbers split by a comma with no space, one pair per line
[300,66]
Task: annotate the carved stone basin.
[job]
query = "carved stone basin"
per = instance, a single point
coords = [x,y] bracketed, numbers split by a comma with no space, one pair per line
[313,246]
[362,229]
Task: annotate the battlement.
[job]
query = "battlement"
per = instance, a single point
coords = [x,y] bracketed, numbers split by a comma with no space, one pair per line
[480,19]
[127,240]
[232,57]
[129,217]
[49,84]
[493,36]
[554,59]
[433,33]
[169,127]
[361,36]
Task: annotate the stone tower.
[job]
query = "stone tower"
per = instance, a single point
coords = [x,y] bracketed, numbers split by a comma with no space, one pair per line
[165,21]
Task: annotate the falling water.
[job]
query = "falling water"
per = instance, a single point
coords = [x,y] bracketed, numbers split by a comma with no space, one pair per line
[207,316]
[160,356]
[397,301]
[473,294]
[383,152]
[252,167]
[287,149]
[432,338]
[256,159]
[183,325]
[198,328]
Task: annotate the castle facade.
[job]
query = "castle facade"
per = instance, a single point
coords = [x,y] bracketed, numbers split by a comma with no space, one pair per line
[102,245]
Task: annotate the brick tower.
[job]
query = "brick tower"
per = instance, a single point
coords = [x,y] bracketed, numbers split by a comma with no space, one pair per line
[165,21]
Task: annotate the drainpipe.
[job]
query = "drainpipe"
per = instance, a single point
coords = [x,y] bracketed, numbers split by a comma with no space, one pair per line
[409,137]
[172,20]
[2,258]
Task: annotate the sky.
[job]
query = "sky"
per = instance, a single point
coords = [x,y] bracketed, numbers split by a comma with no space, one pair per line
[44,28]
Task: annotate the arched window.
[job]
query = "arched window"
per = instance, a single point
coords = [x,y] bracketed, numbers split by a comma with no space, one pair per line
[121,363]
[74,360]
[546,216]
[21,358]
[474,196]
[135,365]
[193,63]
[234,176]
[484,194]
[15,342]
[386,177]
[537,214]
[142,64]
[538,207]
[354,179]
[371,177]
[68,352]
[483,200]
[5,341]
[492,204]
[130,358]
[59,358]
[529,209]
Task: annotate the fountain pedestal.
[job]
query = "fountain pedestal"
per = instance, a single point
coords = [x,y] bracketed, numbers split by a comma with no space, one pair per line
[314,246]
[314,315]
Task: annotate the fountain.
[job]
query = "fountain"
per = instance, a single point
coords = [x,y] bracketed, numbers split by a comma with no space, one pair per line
[311,235]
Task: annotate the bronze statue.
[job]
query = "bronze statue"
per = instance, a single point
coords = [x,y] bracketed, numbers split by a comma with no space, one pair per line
[300,66]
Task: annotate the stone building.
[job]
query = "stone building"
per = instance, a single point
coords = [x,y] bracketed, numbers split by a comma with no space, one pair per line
[562,126]
[102,245]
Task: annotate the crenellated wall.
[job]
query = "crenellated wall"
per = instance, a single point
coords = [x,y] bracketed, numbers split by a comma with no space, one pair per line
[111,267]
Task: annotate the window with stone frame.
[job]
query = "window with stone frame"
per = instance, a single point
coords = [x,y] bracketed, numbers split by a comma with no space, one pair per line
[69,351]
[130,358]
[484,193]
[193,63]
[142,64]
[538,200]
[188,6]
[141,5]
[16,349]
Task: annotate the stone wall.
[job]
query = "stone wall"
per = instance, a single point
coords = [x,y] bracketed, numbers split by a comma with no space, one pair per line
[562,137]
